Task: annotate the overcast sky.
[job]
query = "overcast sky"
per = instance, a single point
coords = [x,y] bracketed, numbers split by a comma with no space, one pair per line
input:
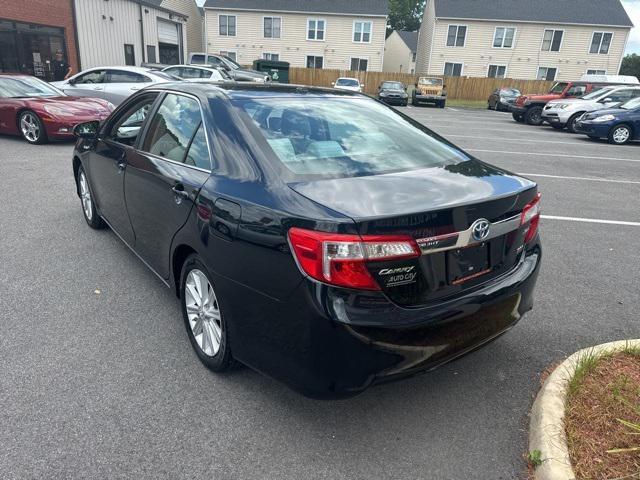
[633,9]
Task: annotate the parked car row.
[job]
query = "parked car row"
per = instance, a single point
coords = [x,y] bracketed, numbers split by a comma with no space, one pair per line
[599,106]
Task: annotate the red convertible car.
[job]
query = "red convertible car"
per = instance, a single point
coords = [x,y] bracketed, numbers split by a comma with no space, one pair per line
[40,112]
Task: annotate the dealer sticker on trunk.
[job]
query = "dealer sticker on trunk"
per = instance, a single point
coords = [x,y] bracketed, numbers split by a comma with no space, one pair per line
[394,277]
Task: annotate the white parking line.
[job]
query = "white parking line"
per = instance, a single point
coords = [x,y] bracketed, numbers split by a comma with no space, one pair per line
[590,220]
[449,108]
[502,139]
[590,179]
[613,159]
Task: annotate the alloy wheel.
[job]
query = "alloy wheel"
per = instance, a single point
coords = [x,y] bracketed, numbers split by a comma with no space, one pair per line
[85,196]
[203,312]
[621,134]
[30,127]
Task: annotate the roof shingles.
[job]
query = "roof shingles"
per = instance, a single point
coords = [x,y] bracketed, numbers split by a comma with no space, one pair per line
[410,39]
[587,12]
[357,7]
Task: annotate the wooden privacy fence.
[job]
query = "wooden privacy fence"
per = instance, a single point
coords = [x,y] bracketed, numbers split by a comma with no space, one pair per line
[458,88]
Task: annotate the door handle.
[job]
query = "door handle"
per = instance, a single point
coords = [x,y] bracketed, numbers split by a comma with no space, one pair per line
[180,193]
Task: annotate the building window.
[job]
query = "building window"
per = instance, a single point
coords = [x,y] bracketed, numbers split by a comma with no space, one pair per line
[129,55]
[596,72]
[452,69]
[503,37]
[546,73]
[497,71]
[228,53]
[272,27]
[600,42]
[227,24]
[151,53]
[552,40]
[271,56]
[314,62]
[359,64]
[456,36]
[362,32]
[315,29]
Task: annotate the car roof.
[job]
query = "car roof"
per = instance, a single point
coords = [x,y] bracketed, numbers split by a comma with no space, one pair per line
[235,90]
[348,78]
[126,68]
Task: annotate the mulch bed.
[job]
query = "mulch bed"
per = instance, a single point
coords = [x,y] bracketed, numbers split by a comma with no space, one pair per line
[608,392]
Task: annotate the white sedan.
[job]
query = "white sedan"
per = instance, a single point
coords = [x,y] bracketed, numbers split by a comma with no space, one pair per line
[195,73]
[346,83]
[113,84]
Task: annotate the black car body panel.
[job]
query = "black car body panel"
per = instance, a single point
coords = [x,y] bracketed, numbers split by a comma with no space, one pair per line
[324,341]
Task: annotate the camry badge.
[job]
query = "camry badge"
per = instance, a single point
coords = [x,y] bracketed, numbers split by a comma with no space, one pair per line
[480,229]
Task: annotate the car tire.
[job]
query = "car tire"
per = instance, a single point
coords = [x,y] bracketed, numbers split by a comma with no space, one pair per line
[31,128]
[488,105]
[518,117]
[533,116]
[205,319]
[571,123]
[93,219]
[620,134]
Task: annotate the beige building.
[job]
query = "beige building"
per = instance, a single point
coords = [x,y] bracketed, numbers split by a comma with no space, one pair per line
[543,39]
[331,34]
[400,52]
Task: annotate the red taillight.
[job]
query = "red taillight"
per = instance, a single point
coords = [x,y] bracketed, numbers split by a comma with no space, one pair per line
[531,216]
[340,259]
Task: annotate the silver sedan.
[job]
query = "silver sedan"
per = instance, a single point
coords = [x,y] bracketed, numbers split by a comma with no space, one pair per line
[113,84]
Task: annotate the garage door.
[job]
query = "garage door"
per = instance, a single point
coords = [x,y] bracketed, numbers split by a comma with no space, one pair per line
[168,32]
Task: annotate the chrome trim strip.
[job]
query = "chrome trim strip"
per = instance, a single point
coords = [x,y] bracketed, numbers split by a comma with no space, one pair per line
[464,238]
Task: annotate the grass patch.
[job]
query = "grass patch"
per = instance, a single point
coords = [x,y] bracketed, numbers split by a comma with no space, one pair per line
[602,417]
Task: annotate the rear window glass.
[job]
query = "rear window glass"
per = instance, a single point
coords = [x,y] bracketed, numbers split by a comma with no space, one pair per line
[347,82]
[558,87]
[339,137]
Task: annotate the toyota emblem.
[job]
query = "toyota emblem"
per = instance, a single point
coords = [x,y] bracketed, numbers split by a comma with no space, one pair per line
[480,229]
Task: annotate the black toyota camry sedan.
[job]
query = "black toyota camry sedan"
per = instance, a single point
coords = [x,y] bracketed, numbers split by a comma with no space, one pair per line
[317,236]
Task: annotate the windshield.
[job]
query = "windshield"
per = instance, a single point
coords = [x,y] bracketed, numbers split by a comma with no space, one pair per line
[430,81]
[558,87]
[21,87]
[235,65]
[596,94]
[343,137]
[347,82]
[392,86]
[510,92]
[631,104]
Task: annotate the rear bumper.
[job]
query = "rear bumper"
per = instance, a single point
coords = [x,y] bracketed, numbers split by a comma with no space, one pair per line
[328,342]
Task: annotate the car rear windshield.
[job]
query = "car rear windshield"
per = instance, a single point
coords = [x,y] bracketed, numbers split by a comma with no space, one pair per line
[331,137]
[347,82]
[24,87]
[510,92]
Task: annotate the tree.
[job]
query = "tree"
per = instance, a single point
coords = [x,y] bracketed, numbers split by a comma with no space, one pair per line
[405,15]
[631,65]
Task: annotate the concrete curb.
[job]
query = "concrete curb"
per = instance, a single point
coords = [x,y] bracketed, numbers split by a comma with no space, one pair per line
[546,427]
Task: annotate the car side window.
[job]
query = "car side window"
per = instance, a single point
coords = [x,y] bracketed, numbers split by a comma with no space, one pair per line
[576,91]
[122,76]
[215,62]
[177,71]
[621,96]
[198,153]
[191,72]
[127,127]
[95,76]
[173,127]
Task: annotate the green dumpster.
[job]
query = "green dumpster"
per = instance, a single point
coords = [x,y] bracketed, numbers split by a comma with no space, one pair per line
[279,71]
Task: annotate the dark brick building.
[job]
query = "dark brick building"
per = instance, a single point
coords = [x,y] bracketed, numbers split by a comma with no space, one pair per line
[30,33]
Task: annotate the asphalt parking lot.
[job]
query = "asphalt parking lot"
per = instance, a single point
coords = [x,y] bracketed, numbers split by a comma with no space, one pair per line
[98,378]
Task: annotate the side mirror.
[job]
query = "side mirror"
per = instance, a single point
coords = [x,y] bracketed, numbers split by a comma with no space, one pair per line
[87,129]
[71,81]
[607,100]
